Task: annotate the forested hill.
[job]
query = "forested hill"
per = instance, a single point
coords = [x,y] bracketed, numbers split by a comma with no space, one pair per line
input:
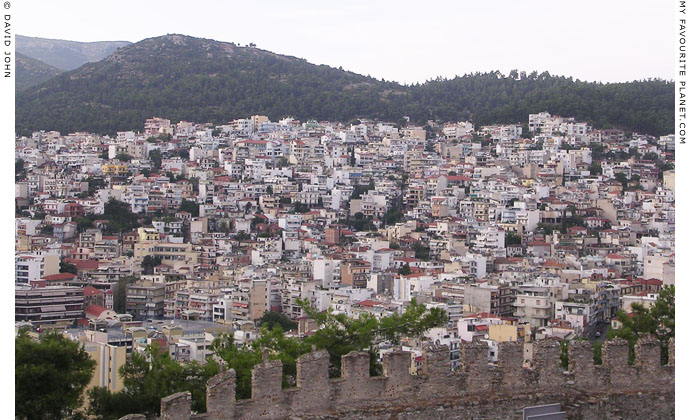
[641,106]
[31,72]
[180,77]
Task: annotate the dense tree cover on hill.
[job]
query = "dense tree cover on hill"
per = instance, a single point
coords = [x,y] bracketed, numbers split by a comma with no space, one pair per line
[184,78]
[31,72]
[642,106]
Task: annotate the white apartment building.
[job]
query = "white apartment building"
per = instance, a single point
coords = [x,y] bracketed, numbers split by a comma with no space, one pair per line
[326,272]
[457,130]
[30,267]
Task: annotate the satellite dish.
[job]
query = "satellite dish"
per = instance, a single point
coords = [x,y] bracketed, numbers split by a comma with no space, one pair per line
[486,336]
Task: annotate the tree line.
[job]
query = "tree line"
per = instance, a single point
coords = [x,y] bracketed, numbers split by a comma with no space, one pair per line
[62,369]
[197,81]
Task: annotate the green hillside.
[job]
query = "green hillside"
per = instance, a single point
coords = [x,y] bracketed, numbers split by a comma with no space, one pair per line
[180,77]
[31,72]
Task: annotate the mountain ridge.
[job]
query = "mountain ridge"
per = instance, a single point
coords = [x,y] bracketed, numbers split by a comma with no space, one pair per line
[31,72]
[198,79]
[65,54]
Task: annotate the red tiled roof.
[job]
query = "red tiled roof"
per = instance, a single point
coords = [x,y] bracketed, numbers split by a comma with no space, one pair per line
[654,282]
[92,291]
[369,302]
[615,256]
[58,277]
[95,310]
[83,264]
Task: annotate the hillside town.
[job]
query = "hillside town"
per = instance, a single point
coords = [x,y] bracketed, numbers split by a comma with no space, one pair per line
[181,232]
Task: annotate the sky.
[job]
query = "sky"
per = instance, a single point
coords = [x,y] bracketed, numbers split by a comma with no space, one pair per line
[404,41]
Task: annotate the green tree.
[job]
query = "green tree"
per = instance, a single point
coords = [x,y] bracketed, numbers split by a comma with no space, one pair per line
[19,171]
[95,183]
[546,228]
[598,151]
[512,238]
[361,189]
[340,334]
[657,321]
[50,376]
[393,215]
[405,270]
[147,378]
[120,295]
[224,227]
[326,94]
[183,153]
[83,223]
[595,169]
[597,353]
[119,216]
[421,252]
[563,355]
[190,207]
[155,157]
[620,177]
[272,318]
[242,236]
[300,207]
[664,166]
[123,157]
[240,358]
[282,162]
[150,262]
[66,267]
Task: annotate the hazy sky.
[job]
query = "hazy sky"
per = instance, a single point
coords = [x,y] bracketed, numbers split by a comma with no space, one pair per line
[405,41]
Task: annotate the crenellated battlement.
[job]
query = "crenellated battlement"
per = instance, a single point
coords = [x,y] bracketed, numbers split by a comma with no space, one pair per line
[476,384]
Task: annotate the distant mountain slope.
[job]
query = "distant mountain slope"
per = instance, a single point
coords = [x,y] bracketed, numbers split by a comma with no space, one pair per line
[31,72]
[66,55]
[181,77]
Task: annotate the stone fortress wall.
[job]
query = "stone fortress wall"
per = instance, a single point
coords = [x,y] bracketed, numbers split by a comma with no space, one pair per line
[478,390]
